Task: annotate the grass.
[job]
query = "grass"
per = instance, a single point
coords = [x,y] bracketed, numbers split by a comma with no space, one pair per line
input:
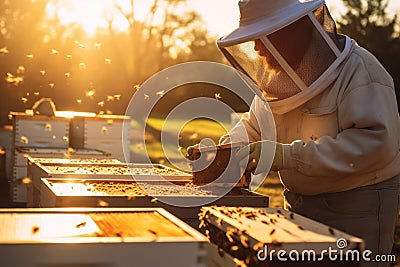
[182,134]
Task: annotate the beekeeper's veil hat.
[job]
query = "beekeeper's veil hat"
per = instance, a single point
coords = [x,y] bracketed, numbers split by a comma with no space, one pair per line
[288,48]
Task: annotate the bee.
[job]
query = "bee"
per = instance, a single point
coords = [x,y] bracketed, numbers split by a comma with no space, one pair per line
[152,232]
[102,203]
[120,235]
[272,231]
[202,224]
[160,93]
[234,248]
[47,127]
[239,263]
[82,224]
[229,235]
[24,140]
[245,241]
[35,230]
[331,231]
[221,252]
[258,246]
[26,181]
[291,216]
[300,227]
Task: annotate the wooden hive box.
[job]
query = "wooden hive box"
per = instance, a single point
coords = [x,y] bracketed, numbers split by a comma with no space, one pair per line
[121,193]
[39,130]
[35,172]
[245,232]
[84,170]
[217,164]
[128,171]
[98,237]
[20,164]
[23,153]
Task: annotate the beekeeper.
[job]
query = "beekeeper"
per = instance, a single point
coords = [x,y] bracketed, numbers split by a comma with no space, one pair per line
[337,145]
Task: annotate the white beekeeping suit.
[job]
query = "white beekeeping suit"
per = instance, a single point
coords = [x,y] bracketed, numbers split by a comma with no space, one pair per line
[334,105]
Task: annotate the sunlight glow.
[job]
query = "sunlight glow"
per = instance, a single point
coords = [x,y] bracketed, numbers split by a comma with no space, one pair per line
[90,14]
[94,14]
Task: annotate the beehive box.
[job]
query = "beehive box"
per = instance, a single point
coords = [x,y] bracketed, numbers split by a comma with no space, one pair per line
[121,193]
[109,133]
[33,191]
[245,232]
[18,190]
[217,164]
[121,171]
[130,171]
[92,160]
[98,237]
[39,130]
[22,153]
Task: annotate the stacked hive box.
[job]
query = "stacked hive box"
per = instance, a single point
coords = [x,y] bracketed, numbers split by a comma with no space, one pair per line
[97,169]
[20,168]
[60,132]
[37,169]
[105,132]
[33,132]
[98,237]
[276,237]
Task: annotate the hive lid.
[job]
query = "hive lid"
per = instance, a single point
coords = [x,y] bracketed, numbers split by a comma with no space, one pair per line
[139,172]
[72,225]
[43,160]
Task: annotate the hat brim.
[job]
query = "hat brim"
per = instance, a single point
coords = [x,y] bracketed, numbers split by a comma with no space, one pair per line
[264,26]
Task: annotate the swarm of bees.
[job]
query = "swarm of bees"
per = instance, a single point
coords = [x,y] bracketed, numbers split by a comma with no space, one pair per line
[19,76]
[231,237]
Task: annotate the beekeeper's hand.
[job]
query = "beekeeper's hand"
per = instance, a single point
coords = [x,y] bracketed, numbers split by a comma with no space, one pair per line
[260,154]
[203,143]
[190,149]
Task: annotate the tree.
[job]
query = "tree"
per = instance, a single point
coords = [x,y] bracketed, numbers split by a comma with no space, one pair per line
[369,24]
[171,32]
[41,57]
[20,34]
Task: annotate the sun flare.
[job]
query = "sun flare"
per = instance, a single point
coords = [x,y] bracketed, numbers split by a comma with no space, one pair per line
[90,14]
